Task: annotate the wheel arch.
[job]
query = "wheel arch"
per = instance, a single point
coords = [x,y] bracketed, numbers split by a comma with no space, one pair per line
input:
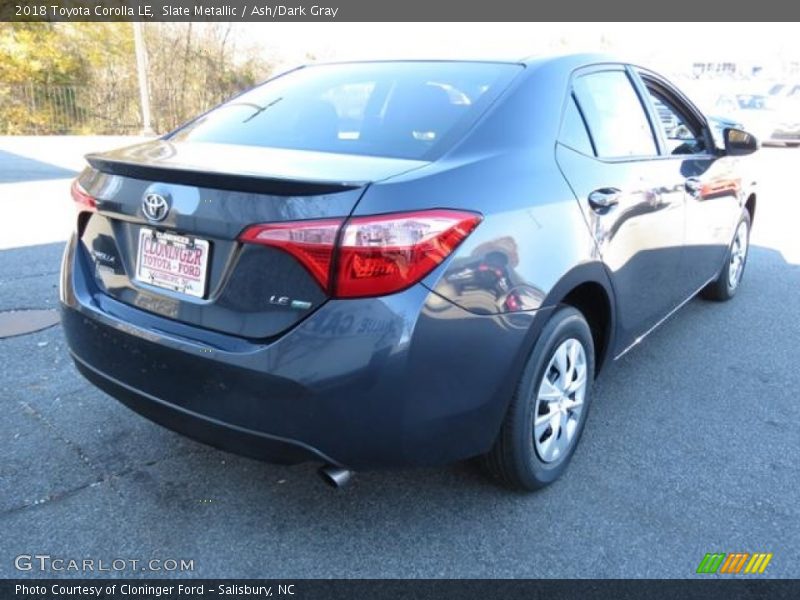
[587,287]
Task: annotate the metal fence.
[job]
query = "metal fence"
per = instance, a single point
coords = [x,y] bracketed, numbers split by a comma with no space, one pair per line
[32,109]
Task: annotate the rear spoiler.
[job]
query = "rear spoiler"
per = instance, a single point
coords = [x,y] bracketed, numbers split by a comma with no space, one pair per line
[254,184]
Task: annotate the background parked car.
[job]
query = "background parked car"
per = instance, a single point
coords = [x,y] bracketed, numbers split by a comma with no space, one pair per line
[772,119]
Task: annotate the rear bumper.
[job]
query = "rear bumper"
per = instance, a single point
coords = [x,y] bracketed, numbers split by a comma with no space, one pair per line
[226,436]
[408,379]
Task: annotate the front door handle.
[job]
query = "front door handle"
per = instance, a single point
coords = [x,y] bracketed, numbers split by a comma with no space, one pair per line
[604,198]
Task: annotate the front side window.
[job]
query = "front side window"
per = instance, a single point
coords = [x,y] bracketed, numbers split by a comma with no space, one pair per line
[682,134]
[394,109]
[615,116]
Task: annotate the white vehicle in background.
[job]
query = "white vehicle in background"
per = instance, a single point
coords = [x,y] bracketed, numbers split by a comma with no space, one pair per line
[785,90]
[773,120]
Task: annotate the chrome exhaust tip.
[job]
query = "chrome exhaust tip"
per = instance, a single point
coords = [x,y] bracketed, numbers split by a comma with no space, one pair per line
[337,477]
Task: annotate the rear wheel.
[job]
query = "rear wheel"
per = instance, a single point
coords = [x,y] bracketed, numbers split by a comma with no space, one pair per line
[724,287]
[548,411]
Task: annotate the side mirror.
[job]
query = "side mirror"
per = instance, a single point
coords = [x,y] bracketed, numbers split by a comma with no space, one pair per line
[739,142]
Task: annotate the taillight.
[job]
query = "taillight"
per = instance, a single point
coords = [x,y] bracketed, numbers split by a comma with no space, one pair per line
[83,201]
[387,253]
[376,255]
[310,242]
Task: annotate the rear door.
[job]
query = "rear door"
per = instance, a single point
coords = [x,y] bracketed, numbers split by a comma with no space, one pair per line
[633,201]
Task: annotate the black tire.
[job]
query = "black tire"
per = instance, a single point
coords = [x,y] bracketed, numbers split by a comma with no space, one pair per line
[514,460]
[721,289]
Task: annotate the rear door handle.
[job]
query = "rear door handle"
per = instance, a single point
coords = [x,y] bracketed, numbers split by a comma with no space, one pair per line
[693,185]
[604,198]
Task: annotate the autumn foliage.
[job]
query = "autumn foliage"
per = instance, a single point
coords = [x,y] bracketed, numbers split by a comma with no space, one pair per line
[81,77]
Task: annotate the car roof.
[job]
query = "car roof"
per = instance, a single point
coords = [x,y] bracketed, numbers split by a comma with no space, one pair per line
[567,60]
[572,60]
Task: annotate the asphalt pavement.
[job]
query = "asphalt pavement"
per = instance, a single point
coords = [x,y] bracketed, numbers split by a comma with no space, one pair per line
[692,446]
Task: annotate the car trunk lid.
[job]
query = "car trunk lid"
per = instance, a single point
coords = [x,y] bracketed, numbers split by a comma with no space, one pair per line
[187,263]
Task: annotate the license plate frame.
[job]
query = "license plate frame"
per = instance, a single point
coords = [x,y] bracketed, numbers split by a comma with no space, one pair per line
[173,262]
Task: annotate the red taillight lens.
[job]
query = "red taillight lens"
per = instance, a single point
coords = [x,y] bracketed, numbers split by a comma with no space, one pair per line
[83,201]
[310,242]
[387,253]
[376,255]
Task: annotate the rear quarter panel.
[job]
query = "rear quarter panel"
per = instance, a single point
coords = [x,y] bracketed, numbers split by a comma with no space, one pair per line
[532,233]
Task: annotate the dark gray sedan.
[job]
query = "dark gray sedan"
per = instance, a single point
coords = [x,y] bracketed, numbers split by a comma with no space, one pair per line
[402,263]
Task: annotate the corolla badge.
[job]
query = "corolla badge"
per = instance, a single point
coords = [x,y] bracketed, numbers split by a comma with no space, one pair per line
[155,207]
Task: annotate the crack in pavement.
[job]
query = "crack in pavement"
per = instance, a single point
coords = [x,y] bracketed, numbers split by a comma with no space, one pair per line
[33,412]
[29,276]
[84,387]
[100,475]
[85,458]
[106,478]
[50,498]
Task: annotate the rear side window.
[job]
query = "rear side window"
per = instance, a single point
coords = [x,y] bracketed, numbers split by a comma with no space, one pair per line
[616,118]
[394,109]
[573,130]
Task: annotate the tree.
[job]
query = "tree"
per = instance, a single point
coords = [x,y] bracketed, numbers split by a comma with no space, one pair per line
[195,66]
[81,77]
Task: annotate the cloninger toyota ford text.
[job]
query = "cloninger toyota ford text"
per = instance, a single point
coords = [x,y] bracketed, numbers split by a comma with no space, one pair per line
[386,264]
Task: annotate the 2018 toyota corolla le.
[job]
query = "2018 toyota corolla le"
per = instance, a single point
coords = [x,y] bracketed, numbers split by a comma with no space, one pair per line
[402,263]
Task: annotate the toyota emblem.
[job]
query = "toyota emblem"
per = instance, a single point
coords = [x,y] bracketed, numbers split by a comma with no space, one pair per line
[155,207]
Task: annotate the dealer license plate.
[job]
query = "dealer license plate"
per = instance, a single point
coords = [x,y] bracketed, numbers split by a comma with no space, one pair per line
[173,262]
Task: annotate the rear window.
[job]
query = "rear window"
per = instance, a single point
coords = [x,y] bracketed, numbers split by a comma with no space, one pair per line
[395,109]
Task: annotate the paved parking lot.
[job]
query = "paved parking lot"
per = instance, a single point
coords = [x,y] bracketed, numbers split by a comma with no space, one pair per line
[692,445]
